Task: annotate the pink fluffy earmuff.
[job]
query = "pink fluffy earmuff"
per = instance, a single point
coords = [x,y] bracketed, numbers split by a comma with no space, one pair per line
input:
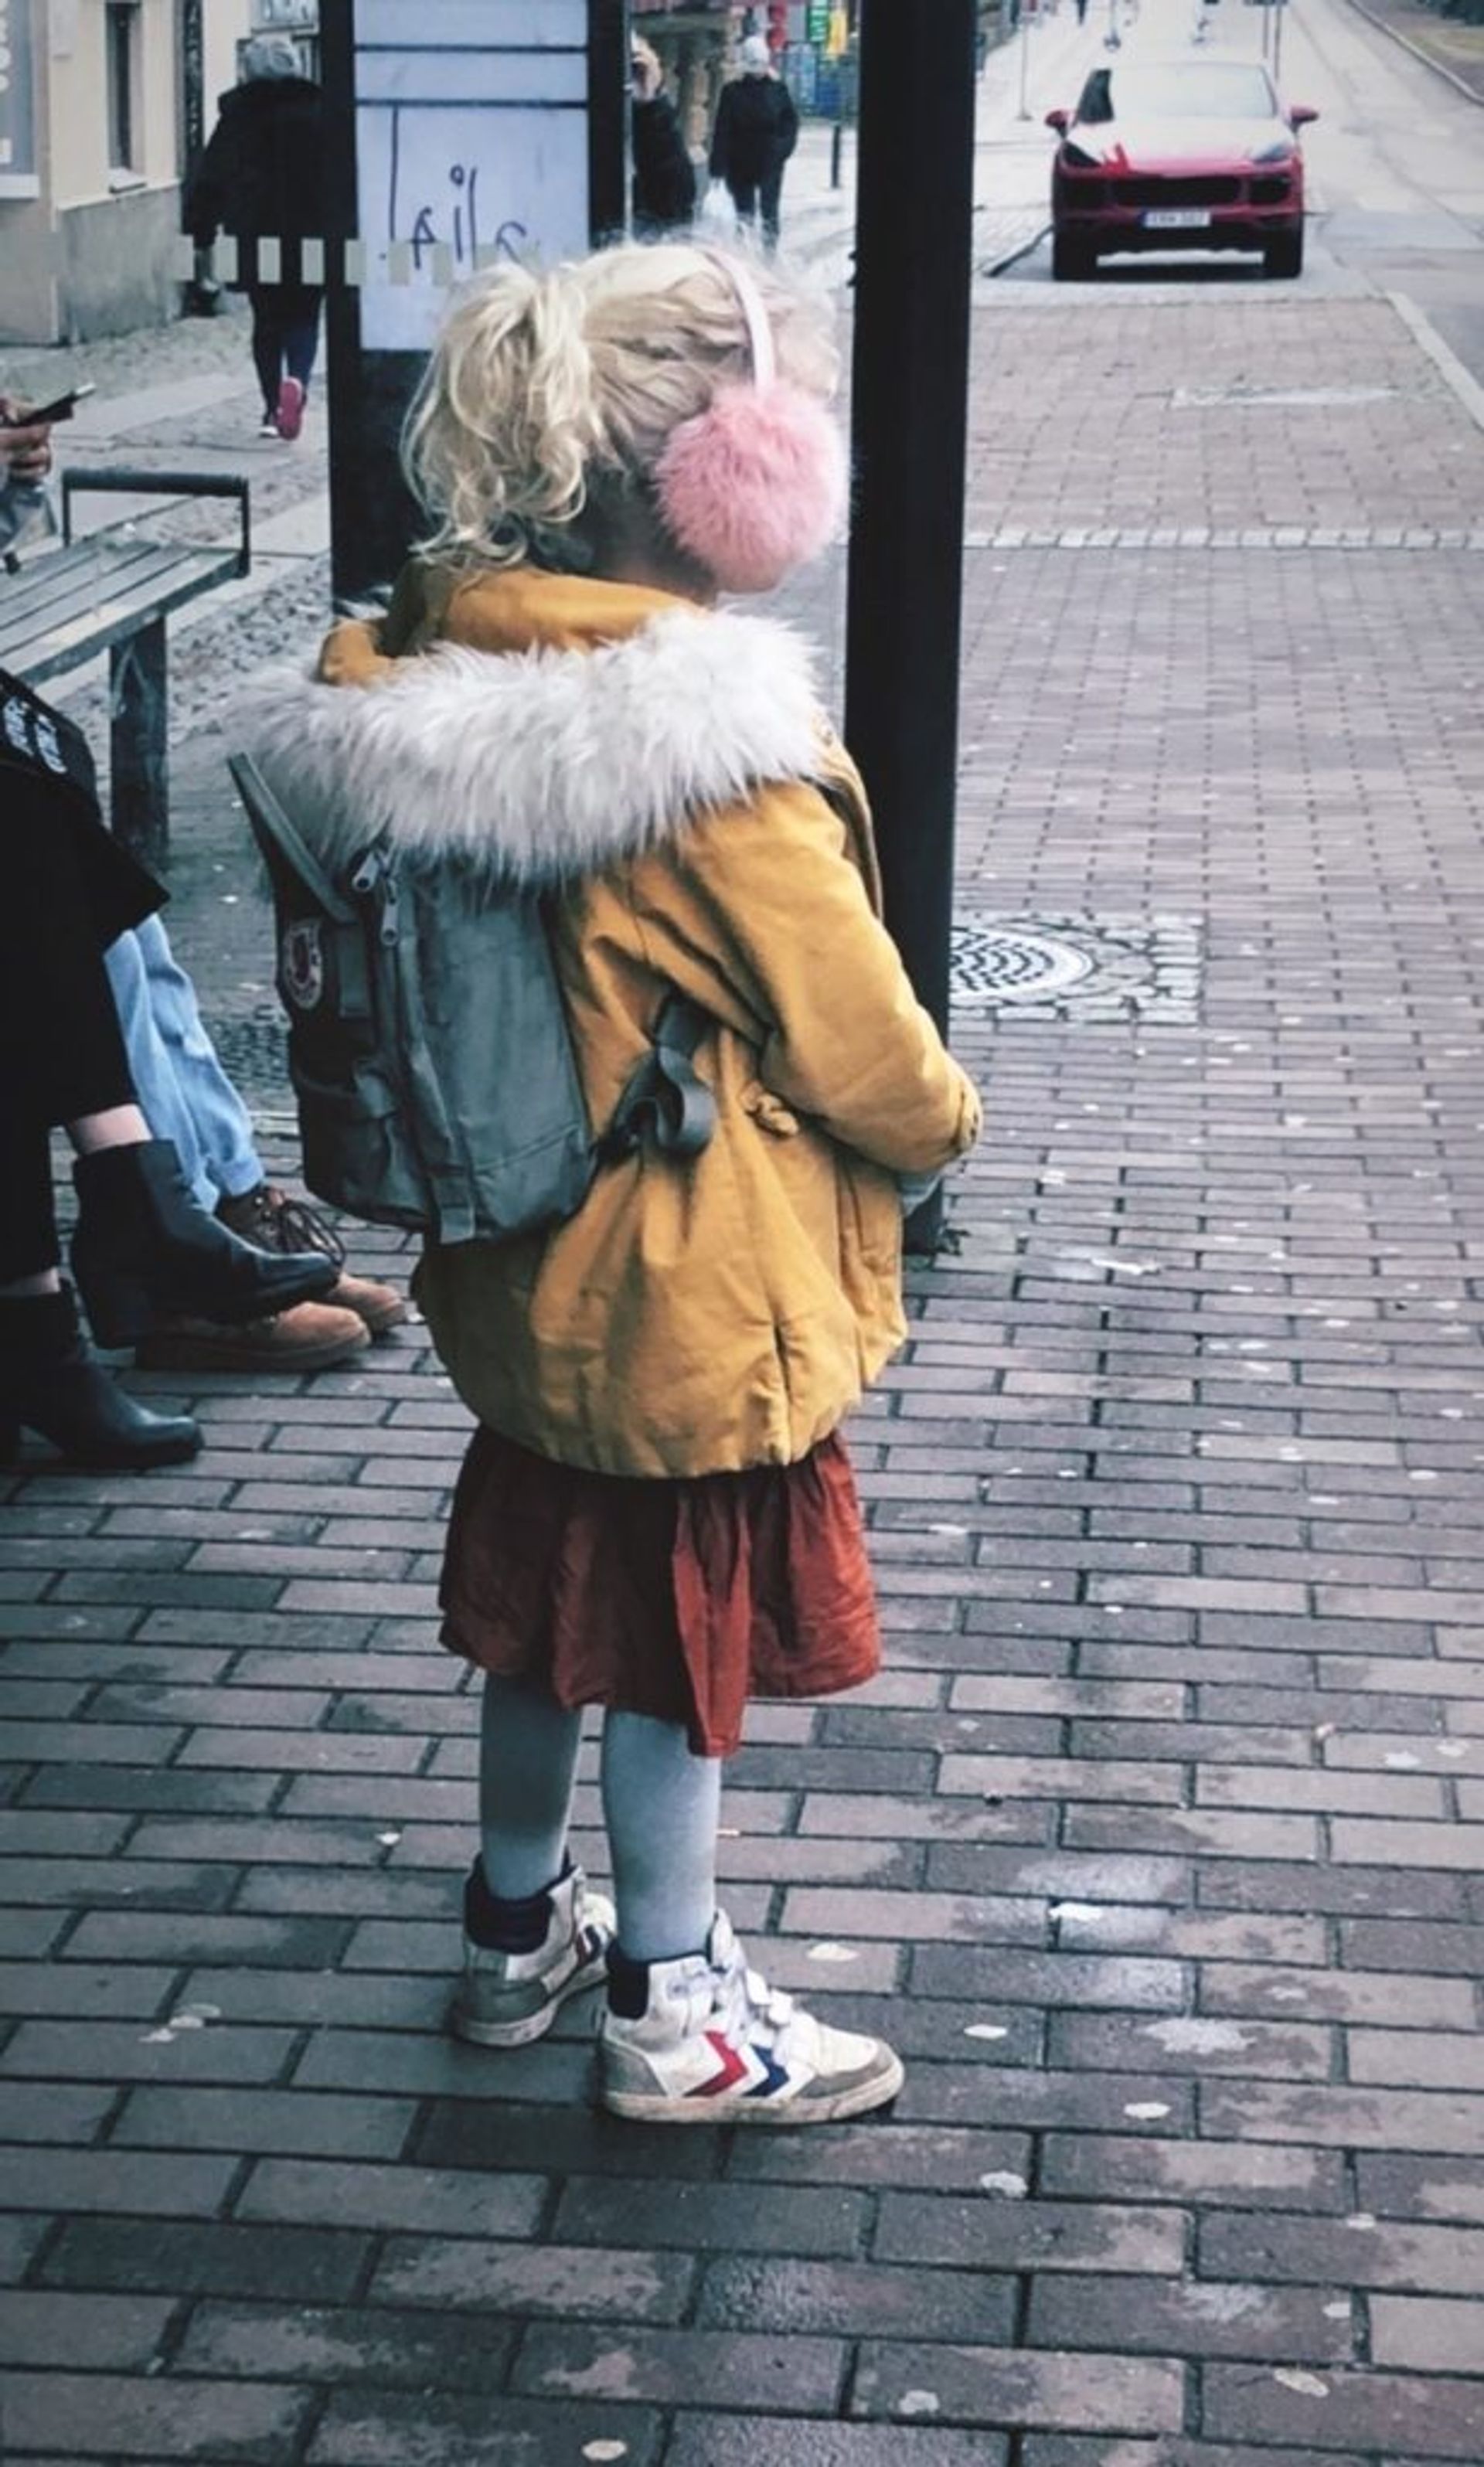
[756,483]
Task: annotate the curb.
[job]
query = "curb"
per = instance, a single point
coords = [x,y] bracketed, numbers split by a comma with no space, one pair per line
[1384,27]
[1464,384]
[988,267]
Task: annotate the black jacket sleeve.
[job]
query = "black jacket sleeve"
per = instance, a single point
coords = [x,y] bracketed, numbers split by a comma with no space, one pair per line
[788,125]
[203,209]
[722,135]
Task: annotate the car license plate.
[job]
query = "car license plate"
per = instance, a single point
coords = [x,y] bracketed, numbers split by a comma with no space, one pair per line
[1177,219]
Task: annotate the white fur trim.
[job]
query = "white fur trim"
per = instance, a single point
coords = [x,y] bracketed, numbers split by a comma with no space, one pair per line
[543,764]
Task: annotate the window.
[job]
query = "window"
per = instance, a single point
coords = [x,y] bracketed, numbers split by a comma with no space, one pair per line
[120,36]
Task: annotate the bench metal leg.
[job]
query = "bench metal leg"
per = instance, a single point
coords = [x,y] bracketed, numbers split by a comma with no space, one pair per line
[137,745]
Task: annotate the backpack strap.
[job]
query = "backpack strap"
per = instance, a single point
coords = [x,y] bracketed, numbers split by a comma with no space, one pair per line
[665,1102]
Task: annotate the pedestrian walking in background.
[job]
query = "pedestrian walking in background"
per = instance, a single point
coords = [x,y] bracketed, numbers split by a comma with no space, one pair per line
[662,195]
[757,129]
[657,1513]
[261,179]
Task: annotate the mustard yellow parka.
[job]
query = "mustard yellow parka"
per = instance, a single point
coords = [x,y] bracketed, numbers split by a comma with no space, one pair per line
[665,774]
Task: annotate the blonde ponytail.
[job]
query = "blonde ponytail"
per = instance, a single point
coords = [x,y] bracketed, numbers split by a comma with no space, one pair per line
[497,441]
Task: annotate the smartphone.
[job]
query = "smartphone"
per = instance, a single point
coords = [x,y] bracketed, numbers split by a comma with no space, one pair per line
[46,414]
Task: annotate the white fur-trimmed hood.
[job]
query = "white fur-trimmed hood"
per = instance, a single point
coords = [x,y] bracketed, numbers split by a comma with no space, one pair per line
[545,763]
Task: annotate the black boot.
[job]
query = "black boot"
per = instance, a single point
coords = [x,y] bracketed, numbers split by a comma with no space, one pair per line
[49,1383]
[142,1248]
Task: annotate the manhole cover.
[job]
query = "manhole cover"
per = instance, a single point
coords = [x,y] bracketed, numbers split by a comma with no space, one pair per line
[1091,972]
[1006,964]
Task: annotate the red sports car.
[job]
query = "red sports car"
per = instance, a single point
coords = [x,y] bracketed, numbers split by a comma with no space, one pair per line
[1178,154]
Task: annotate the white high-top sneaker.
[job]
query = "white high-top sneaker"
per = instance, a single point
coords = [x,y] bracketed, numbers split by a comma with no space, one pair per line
[506,2000]
[715,2045]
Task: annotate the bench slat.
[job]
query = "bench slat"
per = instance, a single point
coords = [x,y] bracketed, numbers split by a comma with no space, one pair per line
[38,590]
[104,603]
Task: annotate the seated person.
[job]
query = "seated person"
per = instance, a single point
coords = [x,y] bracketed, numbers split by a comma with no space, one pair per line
[187,1099]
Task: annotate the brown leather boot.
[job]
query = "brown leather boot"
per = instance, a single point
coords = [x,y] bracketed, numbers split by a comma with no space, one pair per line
[314,1336]
[272,1220]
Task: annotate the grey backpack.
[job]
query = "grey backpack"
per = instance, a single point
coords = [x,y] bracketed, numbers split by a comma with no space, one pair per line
[429,1044]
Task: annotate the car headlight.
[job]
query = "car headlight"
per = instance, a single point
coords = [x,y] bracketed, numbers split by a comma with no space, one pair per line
[1281,150]
[1076,160]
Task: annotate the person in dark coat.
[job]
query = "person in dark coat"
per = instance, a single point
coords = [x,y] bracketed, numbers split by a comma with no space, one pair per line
[663,194]
[757,129]
[141,1243]
[262,178]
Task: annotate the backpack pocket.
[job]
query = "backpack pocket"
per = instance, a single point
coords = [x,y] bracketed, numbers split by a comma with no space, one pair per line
[357,1154]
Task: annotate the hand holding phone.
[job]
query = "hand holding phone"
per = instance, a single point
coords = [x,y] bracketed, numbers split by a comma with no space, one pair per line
[46,414]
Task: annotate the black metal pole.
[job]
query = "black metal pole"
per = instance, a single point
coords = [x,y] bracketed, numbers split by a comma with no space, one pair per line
[910,381]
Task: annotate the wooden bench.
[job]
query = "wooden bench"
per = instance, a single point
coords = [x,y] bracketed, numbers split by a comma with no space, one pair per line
[112,592]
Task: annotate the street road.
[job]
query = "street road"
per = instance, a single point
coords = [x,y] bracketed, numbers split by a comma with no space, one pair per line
[1396,160]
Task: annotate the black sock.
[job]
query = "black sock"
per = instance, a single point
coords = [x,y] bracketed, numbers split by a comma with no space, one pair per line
[629,1985]
[499,1926]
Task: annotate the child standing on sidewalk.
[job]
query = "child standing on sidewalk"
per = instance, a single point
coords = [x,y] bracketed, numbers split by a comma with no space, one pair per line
[657,1514]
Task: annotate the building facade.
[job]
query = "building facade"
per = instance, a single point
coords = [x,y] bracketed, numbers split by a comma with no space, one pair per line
[103,103]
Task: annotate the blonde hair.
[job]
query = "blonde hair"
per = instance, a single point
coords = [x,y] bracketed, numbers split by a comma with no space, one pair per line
[547,387]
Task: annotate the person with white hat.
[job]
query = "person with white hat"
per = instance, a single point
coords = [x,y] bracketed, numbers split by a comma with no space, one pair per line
[757,129]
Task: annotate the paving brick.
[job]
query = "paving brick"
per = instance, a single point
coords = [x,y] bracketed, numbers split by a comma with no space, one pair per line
[210,2257]
[67,2416]
[1418,2417]
[711,2441]
[250,2118]
[115,2333]
[1444,2188]
[1196,2043]
[164,2185]
[1407,2003]
[900,2157]
[119,2052]
[341,2345]
[713,2218]
[856,2299]
[1040,2099]
[999,2234]
[763,2372]
[1426,2334]
[1441,2260]
[572,2282]
[570,2140]
[1014,1976]
[828,1910]
[390,2429]
[37,1988]
[998,2386]
[1204,2317]
[1437,2059]
[430,2201]
[1234,2175]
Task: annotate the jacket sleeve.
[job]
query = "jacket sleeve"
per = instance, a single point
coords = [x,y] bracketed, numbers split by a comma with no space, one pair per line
[205,198]
[769,925]
[788,125]
[721,135]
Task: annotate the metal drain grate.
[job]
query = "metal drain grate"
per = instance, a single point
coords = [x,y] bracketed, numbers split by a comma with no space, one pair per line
[1089,969]
[1011,963]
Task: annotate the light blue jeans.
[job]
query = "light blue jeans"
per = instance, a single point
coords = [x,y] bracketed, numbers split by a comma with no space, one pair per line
[184,1094]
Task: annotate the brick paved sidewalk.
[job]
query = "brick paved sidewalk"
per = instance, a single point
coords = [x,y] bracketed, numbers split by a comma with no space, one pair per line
[1157,1846]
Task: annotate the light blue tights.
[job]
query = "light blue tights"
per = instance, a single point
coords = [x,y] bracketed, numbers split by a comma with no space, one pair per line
[660,1807]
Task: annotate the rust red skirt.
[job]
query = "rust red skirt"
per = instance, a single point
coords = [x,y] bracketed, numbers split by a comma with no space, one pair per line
[679,1599]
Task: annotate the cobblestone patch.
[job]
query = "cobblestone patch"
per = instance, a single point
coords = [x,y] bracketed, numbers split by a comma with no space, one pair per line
[1093,970]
